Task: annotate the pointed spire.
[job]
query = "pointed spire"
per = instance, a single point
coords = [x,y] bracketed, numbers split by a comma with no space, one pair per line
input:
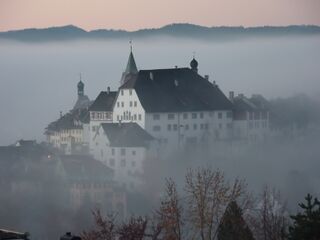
[131,65]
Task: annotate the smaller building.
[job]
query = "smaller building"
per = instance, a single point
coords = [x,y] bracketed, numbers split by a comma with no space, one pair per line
[67,133]
[250,118]
[124,147]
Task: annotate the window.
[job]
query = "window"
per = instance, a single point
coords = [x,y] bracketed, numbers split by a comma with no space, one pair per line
[122,92]
[169,127]
[135,103]
[133,152]
[170,116]
[133,163]
[229,125]
[186,127]
[229,114]
[92,115]
[156,128]
[195,126]
[220,115]
[175,127]
[135,117]
[206,126]
[139,117]
[130,92]
[123,151]
[201,126]
[123,163]
[201,115]
[112,151]
[156,116]
[185,116]
[111,162]
[130,103]
[250,115]
[122,104]
[257,125]
[118,118]
[194,115]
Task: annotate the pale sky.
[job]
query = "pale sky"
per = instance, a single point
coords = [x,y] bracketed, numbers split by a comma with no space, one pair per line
[136,14]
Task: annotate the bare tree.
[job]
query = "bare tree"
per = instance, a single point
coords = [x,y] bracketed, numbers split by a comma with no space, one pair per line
[208,194]
[104,228]
[269,220]
[134,229]
[170,213]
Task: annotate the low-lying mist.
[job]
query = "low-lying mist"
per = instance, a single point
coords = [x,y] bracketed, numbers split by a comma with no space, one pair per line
[38,80]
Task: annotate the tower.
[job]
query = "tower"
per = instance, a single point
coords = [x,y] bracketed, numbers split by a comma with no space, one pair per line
[194,65]
[80,88]
[131,68]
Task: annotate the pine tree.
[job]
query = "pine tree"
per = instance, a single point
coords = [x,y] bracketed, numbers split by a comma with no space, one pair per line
[233,226]
[306,225]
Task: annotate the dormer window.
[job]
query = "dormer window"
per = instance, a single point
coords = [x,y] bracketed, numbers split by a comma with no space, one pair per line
[121,92]
[130,92]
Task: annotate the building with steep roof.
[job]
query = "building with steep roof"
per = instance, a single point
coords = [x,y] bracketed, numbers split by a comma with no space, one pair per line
[251,117]
[124,147]
[177,106]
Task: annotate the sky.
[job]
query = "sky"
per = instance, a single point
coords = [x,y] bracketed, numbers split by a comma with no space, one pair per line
[137,14]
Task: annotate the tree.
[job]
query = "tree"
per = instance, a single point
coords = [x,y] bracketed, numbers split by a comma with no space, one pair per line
[134,229]
[269,220]
[306,225]
[233,226]
[208,194]
[104,229]
[170,213]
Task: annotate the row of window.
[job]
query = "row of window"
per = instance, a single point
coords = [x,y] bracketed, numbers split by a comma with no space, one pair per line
[171,116]
[202,126]
[258,115]
[113,151]
[127,116]
[131,104]
[101,115]
[123,162]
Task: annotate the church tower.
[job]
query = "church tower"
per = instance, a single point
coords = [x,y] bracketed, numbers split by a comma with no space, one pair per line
[131,68]
[80,88]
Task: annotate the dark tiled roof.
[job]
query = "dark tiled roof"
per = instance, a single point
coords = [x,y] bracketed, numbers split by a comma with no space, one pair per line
[126,135]
[255,103]
[68,120]
[243,104]
[104,102]
[260,101]
[176,90]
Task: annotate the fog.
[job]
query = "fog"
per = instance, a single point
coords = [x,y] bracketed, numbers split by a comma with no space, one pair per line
[38,80]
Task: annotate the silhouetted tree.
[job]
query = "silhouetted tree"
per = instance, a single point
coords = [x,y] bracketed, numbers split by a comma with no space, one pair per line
[134,229]
[233,226]
[306,225]
[104,228]
[170,213]
[269,220]
[208,194]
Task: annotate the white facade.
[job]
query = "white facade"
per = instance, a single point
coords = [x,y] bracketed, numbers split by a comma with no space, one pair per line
[177,129]
[127,162]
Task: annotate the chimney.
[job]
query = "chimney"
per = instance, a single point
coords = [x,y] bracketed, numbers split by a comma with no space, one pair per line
[206,77]
[231,96]
[108,89]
